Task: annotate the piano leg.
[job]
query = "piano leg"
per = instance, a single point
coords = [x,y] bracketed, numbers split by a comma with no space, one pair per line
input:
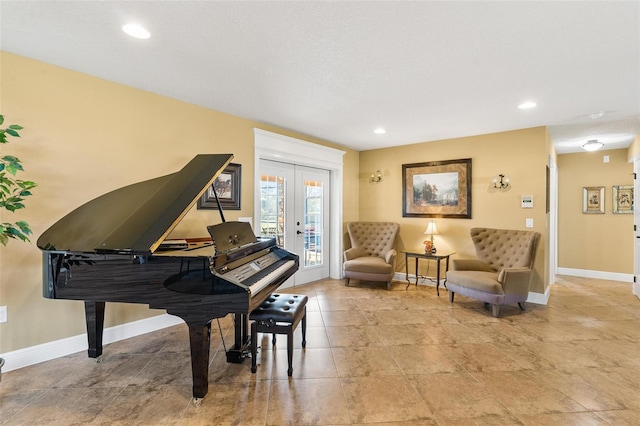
[200,341]
[240,349]
[94,313]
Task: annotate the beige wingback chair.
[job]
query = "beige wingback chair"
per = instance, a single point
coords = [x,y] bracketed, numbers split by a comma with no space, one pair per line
[369,251]
[502,271]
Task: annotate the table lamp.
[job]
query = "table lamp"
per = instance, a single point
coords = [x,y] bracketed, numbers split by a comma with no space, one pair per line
[429,247]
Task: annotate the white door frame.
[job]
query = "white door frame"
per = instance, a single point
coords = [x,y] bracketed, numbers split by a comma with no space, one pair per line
[636,222]
[276,147]
[553,221]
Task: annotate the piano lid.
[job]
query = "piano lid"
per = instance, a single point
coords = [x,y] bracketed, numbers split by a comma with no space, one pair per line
[138,217]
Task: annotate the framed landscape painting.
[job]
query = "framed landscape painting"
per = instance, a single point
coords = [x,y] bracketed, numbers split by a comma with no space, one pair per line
[437,189]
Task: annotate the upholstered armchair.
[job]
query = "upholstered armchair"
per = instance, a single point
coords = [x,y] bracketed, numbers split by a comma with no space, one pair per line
[502,271]
[369,251]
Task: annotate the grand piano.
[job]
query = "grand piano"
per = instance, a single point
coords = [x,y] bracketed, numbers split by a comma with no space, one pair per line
[115,249]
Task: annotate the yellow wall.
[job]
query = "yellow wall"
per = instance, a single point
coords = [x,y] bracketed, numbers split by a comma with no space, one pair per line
[598,242]
[521,155]
[83,137]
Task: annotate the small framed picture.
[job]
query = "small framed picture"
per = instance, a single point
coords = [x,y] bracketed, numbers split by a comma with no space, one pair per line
[623,199]
[227,187]
[593,200]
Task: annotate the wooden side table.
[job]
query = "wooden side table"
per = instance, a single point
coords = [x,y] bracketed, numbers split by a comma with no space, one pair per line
[437,257]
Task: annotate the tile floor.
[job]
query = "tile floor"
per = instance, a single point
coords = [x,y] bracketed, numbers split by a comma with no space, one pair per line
[373,356]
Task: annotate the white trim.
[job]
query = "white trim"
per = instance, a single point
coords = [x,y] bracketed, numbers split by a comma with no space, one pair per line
[537,298]
[70,345]
[601,275]
[276,147]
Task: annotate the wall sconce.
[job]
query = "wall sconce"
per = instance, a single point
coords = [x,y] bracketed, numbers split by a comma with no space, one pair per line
[429,247]
[377,177]
[501,181]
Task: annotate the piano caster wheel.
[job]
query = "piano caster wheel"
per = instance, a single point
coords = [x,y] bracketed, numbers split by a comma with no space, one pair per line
[197,401]
[99,360]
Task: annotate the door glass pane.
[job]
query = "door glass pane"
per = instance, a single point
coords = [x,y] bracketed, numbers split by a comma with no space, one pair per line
[313,193]
[272,199]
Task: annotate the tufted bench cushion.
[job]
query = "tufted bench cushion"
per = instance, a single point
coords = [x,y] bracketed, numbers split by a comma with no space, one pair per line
[279,314]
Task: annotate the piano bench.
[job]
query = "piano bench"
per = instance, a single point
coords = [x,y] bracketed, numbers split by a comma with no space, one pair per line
[279,314]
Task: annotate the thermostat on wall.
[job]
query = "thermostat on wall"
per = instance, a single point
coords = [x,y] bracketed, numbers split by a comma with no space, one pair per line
[527,201]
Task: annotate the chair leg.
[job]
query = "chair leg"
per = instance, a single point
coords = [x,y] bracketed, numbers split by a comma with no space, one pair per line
[347,283]
[487,305]
[388,285]
[273,339]
[451,295]
[522,305]
[496,310]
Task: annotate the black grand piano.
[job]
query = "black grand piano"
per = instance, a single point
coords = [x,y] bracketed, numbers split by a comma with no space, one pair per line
[115,249]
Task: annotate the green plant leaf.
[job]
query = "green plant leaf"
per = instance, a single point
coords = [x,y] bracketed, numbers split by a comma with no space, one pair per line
[1,118]
[15,127]
[12,132]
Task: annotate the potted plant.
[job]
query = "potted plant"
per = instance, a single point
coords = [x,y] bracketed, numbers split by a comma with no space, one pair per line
[12,192]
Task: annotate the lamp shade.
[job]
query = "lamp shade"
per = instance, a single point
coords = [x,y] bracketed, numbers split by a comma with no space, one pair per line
[431,229]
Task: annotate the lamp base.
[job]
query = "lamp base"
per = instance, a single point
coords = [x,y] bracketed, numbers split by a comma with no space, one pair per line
[429,248]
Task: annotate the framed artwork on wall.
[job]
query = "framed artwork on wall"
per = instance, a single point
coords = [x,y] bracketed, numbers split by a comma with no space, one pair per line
[593,200]
[437,189]
[623,199]
[227,186]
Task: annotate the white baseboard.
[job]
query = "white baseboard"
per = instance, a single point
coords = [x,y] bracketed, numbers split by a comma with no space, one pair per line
[56,349]
[601,275]
[537,298]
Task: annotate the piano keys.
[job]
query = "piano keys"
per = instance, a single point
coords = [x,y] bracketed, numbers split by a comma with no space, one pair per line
[114,249]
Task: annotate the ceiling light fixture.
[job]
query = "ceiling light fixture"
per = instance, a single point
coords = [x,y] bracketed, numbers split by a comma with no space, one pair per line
[592,145]
[137,31]
[379,131]
[527,105]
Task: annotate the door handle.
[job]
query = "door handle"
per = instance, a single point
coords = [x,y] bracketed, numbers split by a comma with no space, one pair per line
[298,232]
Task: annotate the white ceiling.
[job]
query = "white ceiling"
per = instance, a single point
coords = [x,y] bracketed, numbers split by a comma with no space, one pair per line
[424,70]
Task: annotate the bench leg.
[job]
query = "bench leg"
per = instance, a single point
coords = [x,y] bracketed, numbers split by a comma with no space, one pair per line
[254,349]
[304,328]
[290,350]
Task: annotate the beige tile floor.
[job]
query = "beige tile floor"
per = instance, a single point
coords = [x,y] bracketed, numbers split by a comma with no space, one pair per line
[373,356]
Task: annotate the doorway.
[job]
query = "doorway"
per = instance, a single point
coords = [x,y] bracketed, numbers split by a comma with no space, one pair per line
[285,149]
[294,209]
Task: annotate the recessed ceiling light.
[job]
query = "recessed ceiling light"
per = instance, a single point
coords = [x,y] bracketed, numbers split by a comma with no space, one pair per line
[596,115]
[527,105]
[137,31]
[592,145]
[379,131]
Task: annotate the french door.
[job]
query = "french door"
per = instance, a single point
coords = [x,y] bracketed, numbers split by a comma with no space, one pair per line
[294,208]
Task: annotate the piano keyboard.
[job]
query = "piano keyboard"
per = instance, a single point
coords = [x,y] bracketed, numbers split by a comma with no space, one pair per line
[258,285]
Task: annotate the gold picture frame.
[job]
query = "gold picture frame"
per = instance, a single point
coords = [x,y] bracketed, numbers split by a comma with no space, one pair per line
[593,200]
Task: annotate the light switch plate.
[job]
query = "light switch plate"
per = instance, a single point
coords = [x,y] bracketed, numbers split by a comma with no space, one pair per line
[529,223]
[527,201]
